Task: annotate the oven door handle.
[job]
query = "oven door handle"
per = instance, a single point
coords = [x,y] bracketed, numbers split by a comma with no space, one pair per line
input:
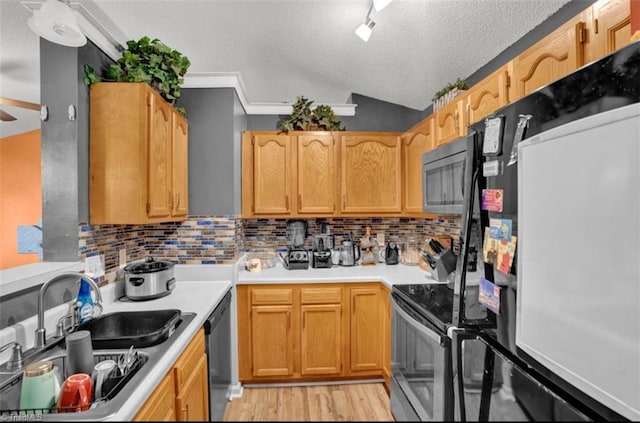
[420,327]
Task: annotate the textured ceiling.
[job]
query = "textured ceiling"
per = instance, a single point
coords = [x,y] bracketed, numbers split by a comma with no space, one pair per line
[286,48]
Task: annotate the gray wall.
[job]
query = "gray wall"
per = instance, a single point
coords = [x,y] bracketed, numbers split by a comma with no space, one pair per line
[216,121]
[65,146]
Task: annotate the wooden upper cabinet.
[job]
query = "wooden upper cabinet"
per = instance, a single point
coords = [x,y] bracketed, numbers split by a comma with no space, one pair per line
[159,158]
[132,153]
[553,57]
[316,174]
[180,167]
[415,142]
[449,123]
[271,174]
[371,173]
[609,28]
[487,96]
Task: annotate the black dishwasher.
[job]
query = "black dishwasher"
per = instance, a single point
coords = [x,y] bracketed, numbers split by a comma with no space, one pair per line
[217,328]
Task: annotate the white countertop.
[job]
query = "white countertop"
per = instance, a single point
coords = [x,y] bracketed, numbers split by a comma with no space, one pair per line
[200,297]
[389,275]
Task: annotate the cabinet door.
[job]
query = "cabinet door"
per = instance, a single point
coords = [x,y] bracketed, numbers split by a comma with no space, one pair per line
[449,121]
[316,174]
[192,402]
[416,141]
[158,184]
[609,28]
[272,341]
[487,96]
[161,404]
[180,173]
[271,174]
[553,57]
[371,173]
[321,339]
[366,324]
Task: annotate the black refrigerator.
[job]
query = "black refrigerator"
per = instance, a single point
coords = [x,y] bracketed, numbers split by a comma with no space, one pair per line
[494,378]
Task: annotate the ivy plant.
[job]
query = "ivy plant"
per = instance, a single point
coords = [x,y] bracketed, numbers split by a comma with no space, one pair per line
[149,61]
[303,118]
[459,84]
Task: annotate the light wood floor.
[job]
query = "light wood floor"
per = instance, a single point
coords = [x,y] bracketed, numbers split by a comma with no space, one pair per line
[352,402]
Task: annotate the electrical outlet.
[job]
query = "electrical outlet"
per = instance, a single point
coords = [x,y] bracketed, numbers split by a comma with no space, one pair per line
[122,261]
[380,238]
[94,265]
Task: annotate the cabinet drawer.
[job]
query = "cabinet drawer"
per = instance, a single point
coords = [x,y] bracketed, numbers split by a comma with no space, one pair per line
[261,296]
[321,295]
[189,359]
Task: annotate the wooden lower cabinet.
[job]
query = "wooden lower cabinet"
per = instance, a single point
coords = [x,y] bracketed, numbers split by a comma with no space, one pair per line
[161,406]
[321,340]
[192,402]
[366,324]
[183,394]
[310,332]
[272,340]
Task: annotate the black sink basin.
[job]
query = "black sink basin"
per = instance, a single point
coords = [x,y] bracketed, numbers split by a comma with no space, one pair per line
[138,328]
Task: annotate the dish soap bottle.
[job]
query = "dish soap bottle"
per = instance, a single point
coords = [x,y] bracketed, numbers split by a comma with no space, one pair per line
[85,302]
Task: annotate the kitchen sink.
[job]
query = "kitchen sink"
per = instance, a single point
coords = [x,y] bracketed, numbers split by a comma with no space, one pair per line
[113,385]
[138,328]
[119,389]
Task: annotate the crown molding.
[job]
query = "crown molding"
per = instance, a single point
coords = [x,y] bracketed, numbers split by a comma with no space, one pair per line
[234,80]
[104,33]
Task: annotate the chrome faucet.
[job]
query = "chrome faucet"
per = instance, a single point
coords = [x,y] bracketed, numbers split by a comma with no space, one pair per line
[41,332]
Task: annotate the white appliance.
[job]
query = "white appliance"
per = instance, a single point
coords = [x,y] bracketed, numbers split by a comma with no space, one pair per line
[579,255]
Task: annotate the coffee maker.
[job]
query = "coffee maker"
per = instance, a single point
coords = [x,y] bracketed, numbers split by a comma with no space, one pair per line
[322,245]
[297,257]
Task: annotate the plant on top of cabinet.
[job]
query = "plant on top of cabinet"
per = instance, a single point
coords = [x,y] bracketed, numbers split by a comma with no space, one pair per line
[448,93]
[149,61]
[303,118]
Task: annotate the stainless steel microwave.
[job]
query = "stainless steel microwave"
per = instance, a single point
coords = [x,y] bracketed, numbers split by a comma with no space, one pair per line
[443,177]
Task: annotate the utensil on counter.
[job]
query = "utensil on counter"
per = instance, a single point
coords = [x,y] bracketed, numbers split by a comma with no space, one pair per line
[122,363]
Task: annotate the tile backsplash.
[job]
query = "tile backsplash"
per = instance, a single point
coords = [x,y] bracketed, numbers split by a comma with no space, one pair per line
[274,231]
[223,239]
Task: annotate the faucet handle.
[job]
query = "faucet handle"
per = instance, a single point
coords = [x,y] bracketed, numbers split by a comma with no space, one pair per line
[62,328]
[17,360]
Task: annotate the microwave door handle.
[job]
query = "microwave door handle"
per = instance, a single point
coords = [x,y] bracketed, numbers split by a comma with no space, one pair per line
[464,168]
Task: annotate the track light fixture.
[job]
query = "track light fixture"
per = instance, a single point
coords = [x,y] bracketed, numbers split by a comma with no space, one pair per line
[380,4]
[364,31]
[56,22]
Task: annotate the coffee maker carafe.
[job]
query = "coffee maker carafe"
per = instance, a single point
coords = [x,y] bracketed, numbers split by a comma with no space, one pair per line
[349,252]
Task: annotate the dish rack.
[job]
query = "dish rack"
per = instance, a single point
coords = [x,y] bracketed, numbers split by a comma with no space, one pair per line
[112,385]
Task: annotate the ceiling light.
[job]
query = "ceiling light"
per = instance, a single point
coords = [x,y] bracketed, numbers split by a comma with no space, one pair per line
[380,4]
[57,23]
[364,31]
